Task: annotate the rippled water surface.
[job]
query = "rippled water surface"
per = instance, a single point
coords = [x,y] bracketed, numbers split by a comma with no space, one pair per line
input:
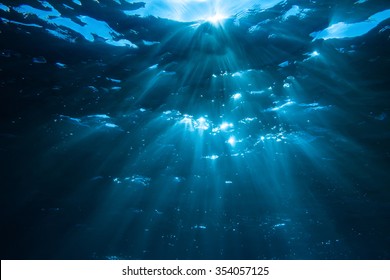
[195,129]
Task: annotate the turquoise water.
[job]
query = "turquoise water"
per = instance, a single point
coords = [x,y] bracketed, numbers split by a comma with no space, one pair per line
[195,129]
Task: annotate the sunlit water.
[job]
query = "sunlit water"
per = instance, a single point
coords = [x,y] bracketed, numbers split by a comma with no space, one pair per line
[195,129]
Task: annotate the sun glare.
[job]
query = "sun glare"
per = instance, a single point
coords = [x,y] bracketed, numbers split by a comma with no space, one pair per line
[216,19]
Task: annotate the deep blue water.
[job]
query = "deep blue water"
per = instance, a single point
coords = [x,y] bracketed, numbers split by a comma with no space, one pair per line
[195,129]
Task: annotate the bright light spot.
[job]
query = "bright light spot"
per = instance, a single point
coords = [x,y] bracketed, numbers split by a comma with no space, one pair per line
[199,227]
[212,157]
[315,53]
[311,55]
[216,19]
[153,67]
[279,225]
[117,181]
[202,124]
[236,96]
[191,124]
[232,141]
[349,30]
[288,103]
[225,125]
[262,138]
[186,120]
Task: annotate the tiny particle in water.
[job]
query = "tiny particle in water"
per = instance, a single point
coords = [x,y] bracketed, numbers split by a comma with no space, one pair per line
[236,96]
[39,59]
[232,141]
[199,227]
[212,157]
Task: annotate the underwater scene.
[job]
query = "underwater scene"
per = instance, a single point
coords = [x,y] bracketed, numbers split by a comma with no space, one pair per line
[195,129]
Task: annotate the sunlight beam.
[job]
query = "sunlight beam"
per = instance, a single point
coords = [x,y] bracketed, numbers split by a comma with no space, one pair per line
[216,19]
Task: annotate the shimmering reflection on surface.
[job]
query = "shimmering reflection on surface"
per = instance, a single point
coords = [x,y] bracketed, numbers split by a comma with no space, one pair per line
[195,129]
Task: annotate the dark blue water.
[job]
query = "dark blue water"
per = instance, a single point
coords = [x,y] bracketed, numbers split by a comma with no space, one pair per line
[195,129]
